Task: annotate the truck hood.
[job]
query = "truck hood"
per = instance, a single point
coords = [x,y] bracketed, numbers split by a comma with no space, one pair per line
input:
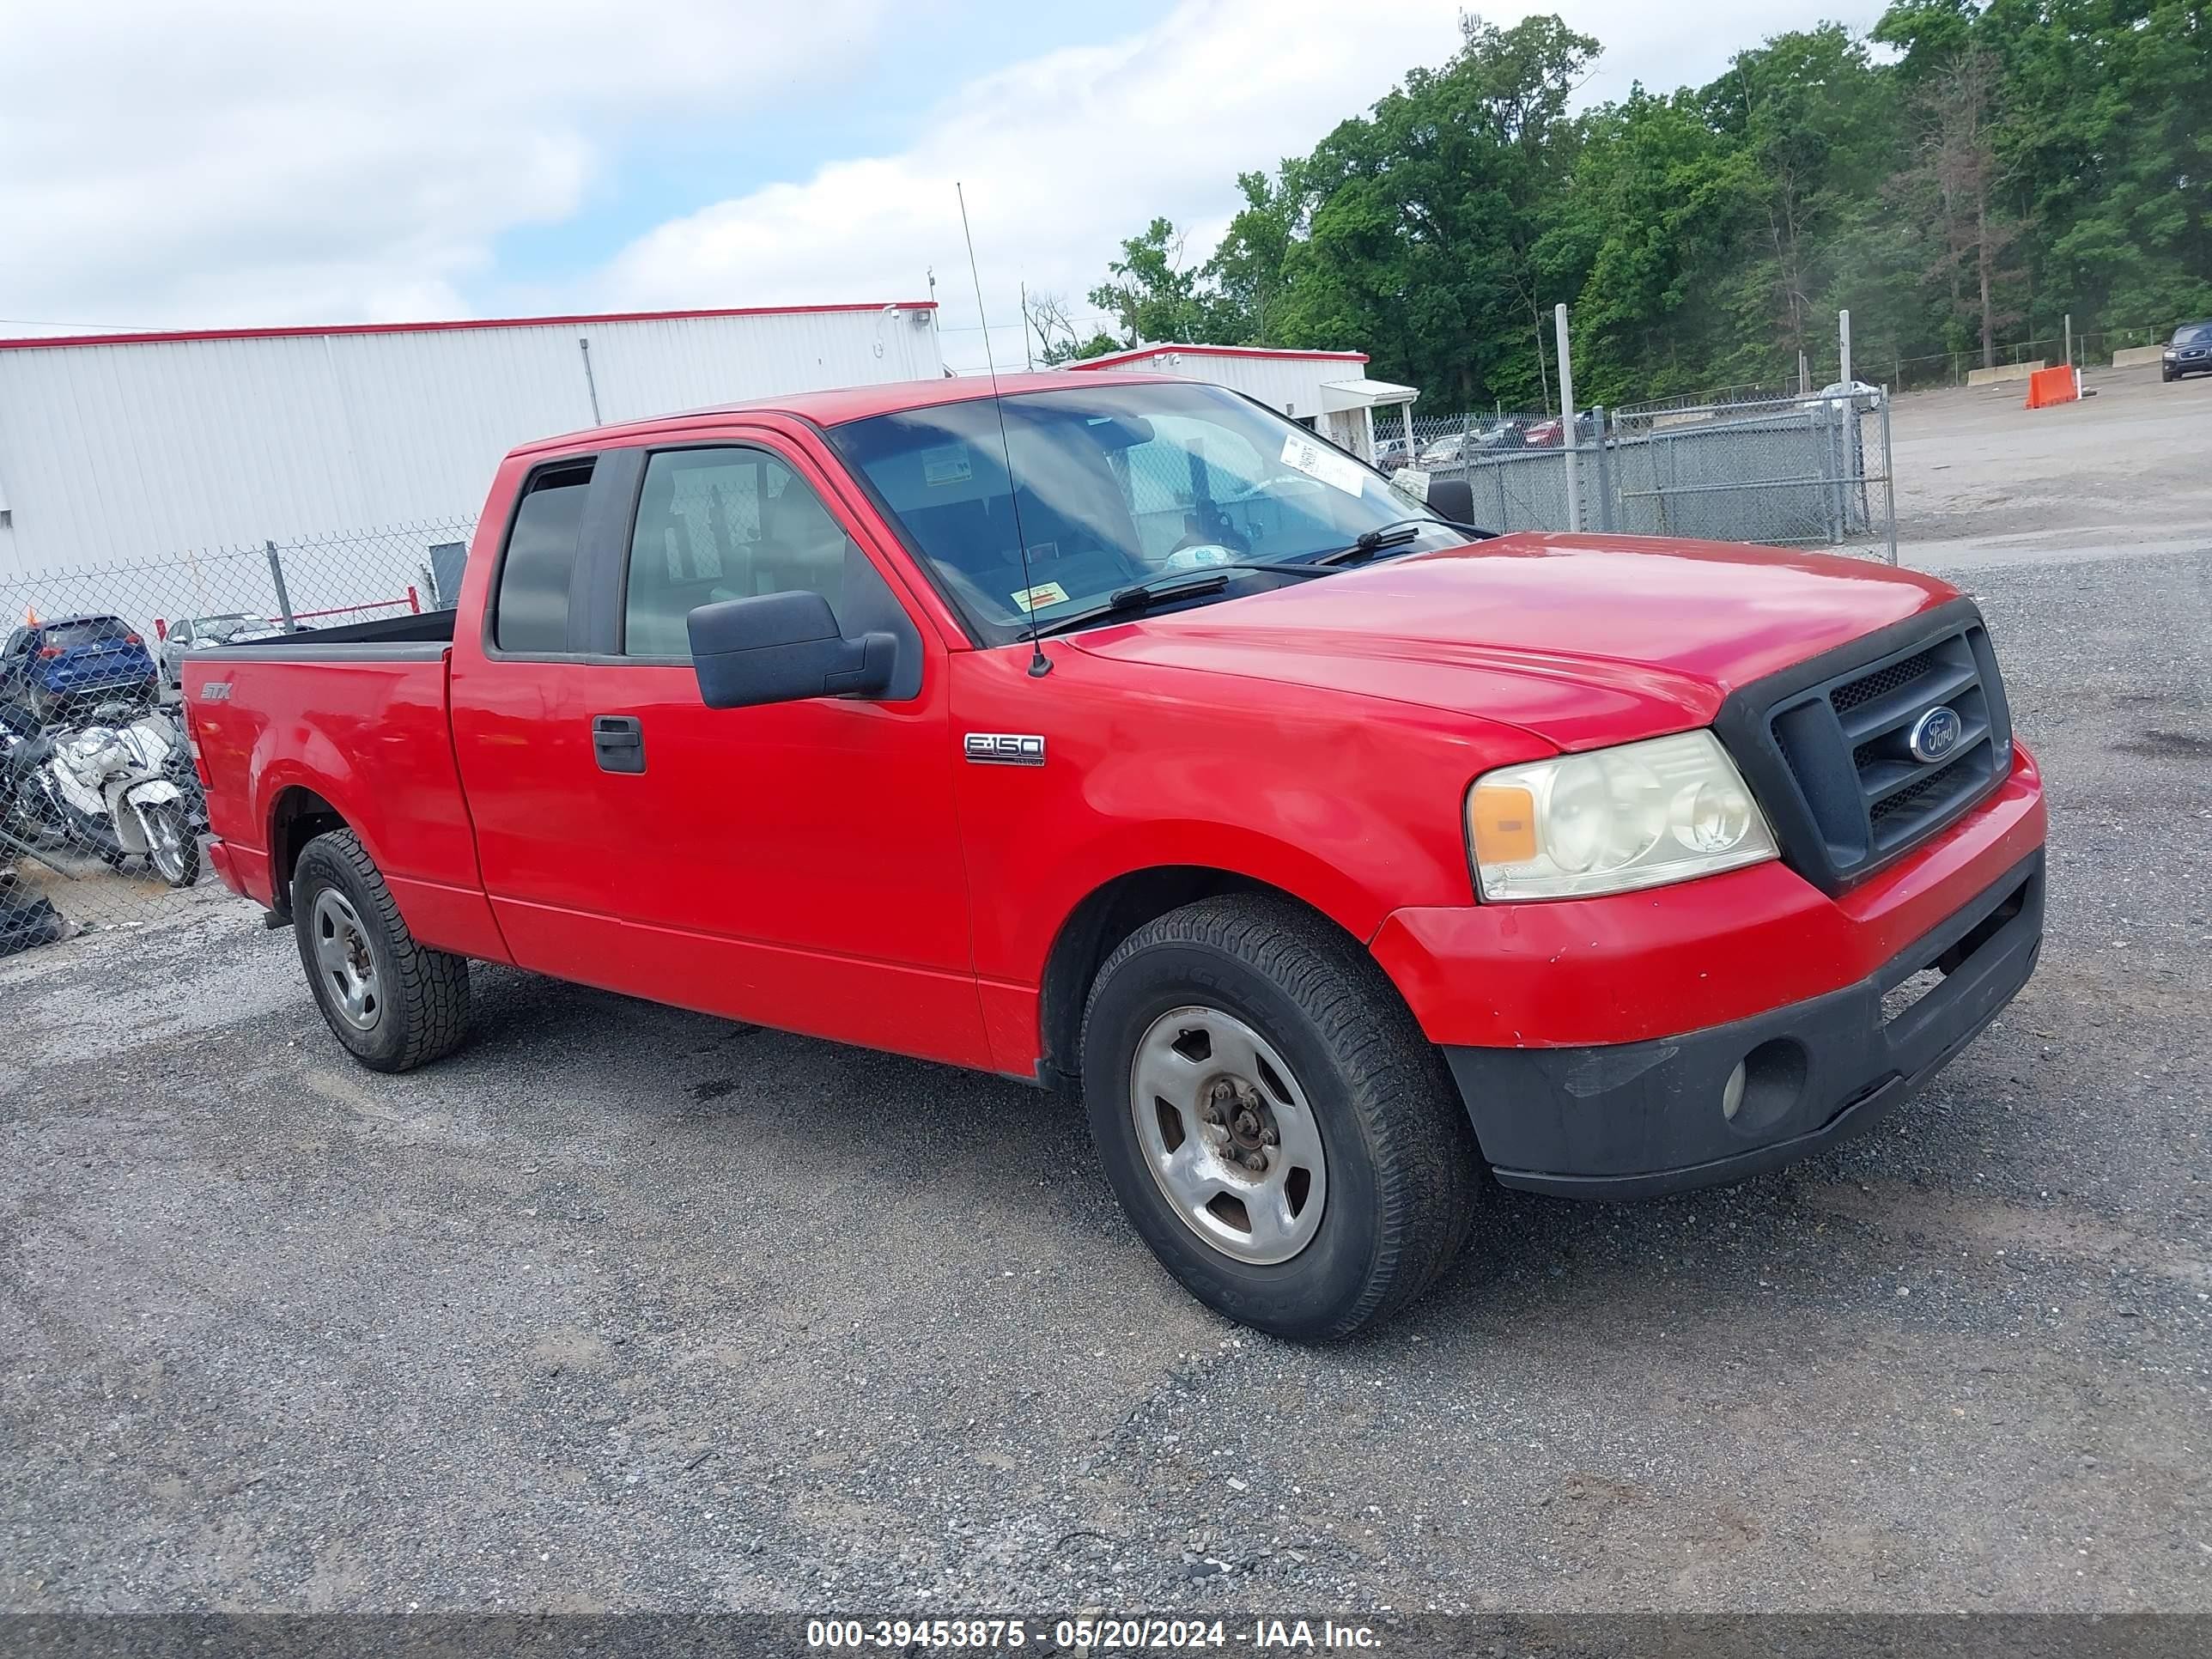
[1583,640]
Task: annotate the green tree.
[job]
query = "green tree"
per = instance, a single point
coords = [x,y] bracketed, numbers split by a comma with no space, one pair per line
[2003,163]
[1154,293]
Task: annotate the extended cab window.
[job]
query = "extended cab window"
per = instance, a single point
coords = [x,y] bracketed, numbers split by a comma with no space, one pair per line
[729,523]
[532,609]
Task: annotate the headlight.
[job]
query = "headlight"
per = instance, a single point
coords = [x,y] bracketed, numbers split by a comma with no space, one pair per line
[1609,822]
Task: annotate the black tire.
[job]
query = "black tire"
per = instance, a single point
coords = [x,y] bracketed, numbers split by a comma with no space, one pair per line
[422,1006]
[2166,374]
[1401,1165]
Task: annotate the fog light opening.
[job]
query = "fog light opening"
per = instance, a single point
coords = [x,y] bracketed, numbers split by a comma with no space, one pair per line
[1732,1092]
[1765,1089]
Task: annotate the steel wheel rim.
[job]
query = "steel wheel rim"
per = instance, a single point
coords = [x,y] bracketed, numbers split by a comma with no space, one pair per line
[1197,1142]
[165,835]
[345,962]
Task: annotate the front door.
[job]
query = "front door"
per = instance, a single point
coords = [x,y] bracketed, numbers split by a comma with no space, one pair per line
[796,865]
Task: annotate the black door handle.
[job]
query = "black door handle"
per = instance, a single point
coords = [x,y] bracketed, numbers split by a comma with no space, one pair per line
[618,741]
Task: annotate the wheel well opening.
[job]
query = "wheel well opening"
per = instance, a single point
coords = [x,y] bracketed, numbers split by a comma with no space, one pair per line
[299,816]
[1092,931]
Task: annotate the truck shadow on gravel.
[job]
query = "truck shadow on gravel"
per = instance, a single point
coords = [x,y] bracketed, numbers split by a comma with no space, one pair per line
[724,1099]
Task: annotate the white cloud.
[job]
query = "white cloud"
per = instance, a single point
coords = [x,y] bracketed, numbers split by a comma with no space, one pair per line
[264,160]
[257,161]
[1060,156]
[1065,155]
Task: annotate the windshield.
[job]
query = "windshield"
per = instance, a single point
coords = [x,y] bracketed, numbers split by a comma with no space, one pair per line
[2193,334]
[1118,485]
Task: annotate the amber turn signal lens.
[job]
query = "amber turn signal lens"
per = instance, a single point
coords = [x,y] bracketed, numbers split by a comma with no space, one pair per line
[1505,822]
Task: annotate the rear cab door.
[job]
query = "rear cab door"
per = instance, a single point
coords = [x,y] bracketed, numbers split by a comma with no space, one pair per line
[795,865]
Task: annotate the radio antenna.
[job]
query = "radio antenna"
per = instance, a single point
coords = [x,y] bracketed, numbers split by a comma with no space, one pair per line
[1040,664]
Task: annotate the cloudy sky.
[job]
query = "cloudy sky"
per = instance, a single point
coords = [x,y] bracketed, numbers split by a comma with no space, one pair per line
[241,163]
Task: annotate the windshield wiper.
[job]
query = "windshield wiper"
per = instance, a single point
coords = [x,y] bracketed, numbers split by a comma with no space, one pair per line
[1372,542]
[1182,585]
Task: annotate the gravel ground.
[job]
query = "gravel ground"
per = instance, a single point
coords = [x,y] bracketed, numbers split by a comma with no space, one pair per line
[622,1307]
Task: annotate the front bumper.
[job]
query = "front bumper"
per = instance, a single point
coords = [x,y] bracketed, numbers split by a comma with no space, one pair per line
[1636,1119]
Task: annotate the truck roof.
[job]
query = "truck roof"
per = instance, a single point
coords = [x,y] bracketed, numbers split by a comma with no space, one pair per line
[857,403]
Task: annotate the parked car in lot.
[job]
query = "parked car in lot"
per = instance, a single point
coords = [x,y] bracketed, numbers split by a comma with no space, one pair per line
[1447,451]
[48,667]
[230,627]
[1547,434]
[1857,392]
[2189,352]
[1340,870]
[1391,454]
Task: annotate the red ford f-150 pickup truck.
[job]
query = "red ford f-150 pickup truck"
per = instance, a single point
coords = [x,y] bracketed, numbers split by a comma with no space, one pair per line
[1123,736]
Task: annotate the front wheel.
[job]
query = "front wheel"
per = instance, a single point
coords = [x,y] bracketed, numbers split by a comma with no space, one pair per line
[170,847]
[1274,1122]
[394,1004]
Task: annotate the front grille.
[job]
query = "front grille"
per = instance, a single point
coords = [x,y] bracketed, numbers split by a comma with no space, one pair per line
[1828,749]
[1848,697]
[1908,799]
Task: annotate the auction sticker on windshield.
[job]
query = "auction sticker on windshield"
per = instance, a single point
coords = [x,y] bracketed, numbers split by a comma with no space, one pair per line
[1320,462]
[1043,593]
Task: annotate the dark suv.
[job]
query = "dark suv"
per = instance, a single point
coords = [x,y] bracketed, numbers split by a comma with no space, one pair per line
[2189,352]
[49,667]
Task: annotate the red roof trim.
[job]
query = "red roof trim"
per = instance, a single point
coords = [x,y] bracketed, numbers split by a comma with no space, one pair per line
[313,330]
[1139,354]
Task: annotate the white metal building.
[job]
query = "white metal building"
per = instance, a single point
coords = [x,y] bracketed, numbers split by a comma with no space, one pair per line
[1329,390]
[128,449]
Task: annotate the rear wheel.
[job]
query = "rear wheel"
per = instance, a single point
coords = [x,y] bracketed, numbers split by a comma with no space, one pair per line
[394,1004]
[1277,1127]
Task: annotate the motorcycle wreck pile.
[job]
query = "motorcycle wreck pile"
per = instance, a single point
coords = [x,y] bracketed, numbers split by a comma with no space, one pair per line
[116,782]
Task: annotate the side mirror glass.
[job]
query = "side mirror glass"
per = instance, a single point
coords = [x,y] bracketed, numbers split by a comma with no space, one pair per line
[783,648]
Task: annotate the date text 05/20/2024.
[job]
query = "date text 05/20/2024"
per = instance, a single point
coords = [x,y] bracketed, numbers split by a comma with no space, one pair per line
[1091,1635]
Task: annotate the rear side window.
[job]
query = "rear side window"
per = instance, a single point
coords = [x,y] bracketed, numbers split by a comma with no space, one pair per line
[532,609]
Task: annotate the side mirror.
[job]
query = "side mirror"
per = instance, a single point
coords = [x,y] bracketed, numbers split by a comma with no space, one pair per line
[1452,498]
[782,647]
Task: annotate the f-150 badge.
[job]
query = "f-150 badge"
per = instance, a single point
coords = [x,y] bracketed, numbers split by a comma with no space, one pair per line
[1005,748]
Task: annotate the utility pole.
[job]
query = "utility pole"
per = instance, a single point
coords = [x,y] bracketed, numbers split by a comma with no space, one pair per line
[1843,330]
[1567,415]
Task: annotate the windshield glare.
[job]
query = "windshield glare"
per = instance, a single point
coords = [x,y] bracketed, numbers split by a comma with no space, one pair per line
[2193,334]
[1117,485]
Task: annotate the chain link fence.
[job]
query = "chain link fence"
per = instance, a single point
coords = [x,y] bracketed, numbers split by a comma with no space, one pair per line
[2094,349]
[102,813]
[1784,471]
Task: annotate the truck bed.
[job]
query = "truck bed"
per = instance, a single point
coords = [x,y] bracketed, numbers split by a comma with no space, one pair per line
[410,638]
[348,723]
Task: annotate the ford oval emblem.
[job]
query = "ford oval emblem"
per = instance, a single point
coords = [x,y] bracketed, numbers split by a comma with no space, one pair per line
[1936,733]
